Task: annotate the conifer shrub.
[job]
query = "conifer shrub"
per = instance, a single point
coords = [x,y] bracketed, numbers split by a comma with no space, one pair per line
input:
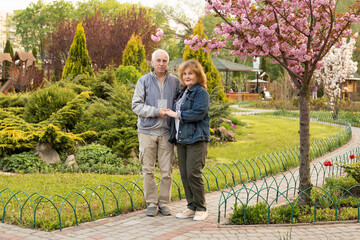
[43,103]
[134,54]
[17,135]
[13,100]
[103,88]
[121,140]
[218,109]
[127,74]
[78,61]
[212,74]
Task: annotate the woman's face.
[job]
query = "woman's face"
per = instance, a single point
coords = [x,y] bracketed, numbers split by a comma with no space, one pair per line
[189,77]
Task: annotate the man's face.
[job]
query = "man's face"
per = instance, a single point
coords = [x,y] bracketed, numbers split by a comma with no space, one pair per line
[160,63]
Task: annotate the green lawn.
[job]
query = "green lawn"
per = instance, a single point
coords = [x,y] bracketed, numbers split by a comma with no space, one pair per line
[266,134]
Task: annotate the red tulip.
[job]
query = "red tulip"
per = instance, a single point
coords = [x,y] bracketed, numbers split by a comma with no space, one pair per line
[330,163]
[352,156]
[326,163]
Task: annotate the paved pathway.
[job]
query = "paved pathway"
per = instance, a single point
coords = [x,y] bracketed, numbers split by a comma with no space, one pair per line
[137,225]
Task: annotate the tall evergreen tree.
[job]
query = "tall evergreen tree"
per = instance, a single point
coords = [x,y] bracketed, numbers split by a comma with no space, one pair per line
[8,49]
[212,74]
[78,61]
[134,54]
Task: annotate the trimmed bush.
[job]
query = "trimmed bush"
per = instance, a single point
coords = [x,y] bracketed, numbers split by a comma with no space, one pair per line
[26,162]
[78,61]
[43,103]
[127,74]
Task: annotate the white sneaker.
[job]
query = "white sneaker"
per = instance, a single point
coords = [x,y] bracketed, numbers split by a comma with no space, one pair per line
[201,215]
[188,213]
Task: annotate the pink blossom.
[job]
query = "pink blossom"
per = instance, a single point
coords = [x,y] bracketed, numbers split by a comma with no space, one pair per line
[159,32]
[155,38]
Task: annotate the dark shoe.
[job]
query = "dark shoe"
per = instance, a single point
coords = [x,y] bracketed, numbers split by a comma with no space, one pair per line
[151,211]
[164,210]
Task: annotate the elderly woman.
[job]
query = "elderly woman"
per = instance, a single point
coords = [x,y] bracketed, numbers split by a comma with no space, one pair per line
[190,132]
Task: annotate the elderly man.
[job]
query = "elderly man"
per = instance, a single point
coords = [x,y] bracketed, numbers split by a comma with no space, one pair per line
[154,93]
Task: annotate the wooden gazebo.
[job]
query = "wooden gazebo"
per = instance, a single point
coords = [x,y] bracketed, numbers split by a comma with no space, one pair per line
[221,65]
[24,60]
[23,73]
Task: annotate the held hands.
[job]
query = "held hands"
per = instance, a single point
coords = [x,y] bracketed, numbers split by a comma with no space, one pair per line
[167,112]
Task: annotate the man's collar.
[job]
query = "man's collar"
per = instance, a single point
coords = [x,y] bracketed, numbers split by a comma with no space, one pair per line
[166,74]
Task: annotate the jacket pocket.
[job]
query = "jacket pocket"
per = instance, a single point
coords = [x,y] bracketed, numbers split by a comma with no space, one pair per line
[147,122]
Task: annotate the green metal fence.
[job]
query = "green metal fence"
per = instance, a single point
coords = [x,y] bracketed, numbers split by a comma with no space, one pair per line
[92,203]
[283,188]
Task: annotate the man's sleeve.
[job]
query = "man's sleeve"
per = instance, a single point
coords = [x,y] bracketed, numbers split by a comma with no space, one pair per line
[139,106]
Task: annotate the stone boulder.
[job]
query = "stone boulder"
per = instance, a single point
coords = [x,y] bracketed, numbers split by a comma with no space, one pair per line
[71,162]
[225,134]
[47,153]
[221,120]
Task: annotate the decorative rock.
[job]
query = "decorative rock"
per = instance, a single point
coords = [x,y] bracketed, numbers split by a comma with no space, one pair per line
[224,134]
[70,161]
[225,120]
[47,153]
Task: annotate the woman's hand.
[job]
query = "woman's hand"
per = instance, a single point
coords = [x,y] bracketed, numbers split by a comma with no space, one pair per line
[171,113]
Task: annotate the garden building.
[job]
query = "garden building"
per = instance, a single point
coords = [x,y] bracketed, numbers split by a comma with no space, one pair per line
[351,88]
[226,67]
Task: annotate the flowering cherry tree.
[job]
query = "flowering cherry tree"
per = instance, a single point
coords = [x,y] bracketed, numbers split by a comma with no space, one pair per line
[338,65]
[295,33]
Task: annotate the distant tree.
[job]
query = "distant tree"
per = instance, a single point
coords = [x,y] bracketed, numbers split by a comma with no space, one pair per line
[134,54]
[78,61]
[8,49]
[106,37]
[338,65]
[35,22]
[35,53]
[212,74]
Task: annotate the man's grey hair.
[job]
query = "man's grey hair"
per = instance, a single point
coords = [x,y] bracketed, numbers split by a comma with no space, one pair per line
[158,51]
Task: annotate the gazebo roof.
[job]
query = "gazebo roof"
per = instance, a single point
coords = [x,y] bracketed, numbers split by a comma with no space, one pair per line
[26,57]
[5,57]
[220,64]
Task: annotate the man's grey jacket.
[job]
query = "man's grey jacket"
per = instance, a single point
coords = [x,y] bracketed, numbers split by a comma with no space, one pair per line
[149,92]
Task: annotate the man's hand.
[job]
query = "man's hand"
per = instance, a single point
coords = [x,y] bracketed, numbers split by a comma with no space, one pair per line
[171,113]
[162,112]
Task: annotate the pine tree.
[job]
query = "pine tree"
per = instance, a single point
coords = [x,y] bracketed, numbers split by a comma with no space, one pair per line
[8,49]
[134,54]
[212,74]
[78,61]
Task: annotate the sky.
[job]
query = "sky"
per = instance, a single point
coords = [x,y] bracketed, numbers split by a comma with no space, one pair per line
[11,5]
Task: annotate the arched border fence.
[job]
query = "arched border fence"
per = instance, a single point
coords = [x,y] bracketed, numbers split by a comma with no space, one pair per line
[283,189]
[280,189]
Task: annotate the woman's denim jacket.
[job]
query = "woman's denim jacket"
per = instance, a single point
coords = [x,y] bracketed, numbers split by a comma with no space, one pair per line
[194,117]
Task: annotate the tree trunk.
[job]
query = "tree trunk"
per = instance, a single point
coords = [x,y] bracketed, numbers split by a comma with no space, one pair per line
[304,171]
